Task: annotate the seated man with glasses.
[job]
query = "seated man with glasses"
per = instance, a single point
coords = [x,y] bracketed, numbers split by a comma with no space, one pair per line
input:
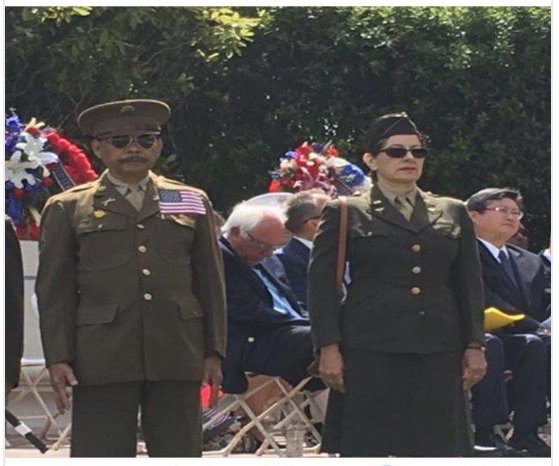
[268,331]
[303,211]
[514,283]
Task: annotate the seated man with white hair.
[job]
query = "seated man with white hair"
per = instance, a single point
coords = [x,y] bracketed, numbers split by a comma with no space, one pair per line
[268,332]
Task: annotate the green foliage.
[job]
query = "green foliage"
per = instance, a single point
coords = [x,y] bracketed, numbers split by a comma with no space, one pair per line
[246,84]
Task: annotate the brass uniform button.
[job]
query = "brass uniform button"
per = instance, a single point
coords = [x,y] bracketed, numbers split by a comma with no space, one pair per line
[416,269]
[148,297]
[416,248]
[250,339]
[142,248]
[415,290]
[421,313]
[146,272]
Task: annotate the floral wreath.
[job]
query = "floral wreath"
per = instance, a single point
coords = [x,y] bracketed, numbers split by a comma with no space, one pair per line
[315,165]
[38,163]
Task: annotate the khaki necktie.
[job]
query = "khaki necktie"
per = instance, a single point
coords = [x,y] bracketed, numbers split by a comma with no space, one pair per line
[404,206]
[135,196]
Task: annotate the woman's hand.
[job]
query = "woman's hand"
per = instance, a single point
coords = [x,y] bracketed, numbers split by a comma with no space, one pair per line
[474,367]
[331,367]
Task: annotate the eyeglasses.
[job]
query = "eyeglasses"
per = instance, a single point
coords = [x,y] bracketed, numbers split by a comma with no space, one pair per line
[145,141]
[262,245]
[506,211]
[401,152]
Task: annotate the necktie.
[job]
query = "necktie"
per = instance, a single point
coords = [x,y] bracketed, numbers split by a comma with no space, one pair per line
[507,266]
[403,206]
[135,196]
[280,302]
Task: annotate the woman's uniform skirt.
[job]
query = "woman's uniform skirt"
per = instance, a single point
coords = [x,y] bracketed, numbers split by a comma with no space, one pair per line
[404,405]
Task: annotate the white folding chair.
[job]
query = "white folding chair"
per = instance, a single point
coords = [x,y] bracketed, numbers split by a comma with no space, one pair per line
[34,383]
[284,411]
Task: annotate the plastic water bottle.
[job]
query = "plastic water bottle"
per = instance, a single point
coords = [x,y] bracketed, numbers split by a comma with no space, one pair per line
[294,438]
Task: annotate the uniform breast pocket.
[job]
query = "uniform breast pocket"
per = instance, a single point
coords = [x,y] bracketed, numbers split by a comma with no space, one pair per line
[447,229]
[373,230]
[104,243]
[175,237]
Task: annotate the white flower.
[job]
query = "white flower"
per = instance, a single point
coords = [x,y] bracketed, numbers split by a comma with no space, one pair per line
[33,148]
[16,170]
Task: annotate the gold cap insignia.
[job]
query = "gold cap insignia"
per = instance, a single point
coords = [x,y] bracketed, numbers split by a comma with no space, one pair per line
[99,213]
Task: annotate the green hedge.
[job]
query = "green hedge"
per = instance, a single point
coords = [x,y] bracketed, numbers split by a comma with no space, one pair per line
[247,84]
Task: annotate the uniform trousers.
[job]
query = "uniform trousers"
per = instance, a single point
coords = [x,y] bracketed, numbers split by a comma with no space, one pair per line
[105,419]
[405,405]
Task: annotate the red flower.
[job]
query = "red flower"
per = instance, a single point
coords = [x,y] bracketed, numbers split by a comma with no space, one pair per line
[18,193]
[33,131]
[274,186]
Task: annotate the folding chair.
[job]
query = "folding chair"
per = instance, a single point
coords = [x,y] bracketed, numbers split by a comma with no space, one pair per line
[286,409]
[34,380]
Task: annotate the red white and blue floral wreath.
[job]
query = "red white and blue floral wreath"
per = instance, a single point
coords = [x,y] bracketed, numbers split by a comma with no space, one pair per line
[315,165]
[38,163]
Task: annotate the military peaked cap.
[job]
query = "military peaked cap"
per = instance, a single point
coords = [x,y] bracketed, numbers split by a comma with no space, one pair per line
[124,117]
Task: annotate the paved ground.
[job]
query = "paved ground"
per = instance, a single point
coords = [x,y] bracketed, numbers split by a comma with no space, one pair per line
[20,448]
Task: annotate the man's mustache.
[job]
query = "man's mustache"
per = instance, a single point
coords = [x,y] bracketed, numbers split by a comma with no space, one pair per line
[133,158]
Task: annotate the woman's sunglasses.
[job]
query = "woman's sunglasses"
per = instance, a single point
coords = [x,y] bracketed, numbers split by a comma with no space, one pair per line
[401,152]
[145,141]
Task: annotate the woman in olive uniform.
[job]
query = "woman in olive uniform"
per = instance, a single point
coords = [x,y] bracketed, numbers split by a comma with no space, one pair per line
[408,338]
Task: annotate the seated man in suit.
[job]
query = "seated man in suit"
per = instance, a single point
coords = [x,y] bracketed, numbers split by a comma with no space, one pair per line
[268,332]
[545,257]
[514,283]
[303,214]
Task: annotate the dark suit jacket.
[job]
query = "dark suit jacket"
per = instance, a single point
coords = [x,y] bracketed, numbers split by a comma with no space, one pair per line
[250,312]
[547,277]
[415,286]
[526,298]
[14,306]
[295,258]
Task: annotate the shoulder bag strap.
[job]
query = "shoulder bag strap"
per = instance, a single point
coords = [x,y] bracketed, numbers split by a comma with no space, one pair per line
[342,239]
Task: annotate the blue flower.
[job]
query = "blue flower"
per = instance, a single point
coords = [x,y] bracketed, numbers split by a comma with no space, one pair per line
[317,148]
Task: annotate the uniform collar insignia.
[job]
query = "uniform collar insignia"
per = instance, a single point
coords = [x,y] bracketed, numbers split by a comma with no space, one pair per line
[106,202]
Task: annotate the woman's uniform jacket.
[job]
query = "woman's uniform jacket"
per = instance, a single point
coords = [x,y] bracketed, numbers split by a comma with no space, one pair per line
[415,286]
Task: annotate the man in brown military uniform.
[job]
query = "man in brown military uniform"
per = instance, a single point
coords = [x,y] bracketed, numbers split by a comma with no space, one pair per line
[131,294]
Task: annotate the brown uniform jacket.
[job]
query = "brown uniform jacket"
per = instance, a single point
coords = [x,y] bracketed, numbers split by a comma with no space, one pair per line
[126,295]
[415,286]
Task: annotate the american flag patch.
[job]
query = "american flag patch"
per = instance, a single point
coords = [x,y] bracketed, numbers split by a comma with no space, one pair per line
[180,202]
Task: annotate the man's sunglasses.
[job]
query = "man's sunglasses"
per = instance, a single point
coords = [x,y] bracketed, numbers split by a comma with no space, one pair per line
[145,141]
[401,152]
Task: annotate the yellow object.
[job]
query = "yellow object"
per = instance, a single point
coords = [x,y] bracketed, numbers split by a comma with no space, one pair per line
[99,213]
[495,319]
